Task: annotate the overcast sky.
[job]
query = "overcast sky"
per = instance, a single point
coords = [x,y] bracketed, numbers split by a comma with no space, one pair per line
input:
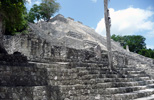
[128,17]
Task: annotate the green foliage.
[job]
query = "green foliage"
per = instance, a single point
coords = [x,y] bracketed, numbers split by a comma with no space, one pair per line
[48,8]
[118,38]
[135,42]
[34,13]
[44,11]
[13,13]
[147,52]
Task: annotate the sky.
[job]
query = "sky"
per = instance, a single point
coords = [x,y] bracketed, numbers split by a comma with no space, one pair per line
[128,17]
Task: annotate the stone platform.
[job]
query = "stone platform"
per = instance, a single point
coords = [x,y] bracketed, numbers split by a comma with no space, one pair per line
[74,80]
[66,60]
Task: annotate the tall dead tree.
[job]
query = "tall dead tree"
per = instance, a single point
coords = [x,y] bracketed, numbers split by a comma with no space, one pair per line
[2,49]
[108,36]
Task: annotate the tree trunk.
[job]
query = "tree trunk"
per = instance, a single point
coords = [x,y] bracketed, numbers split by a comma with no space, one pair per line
[2,50]
[108,36]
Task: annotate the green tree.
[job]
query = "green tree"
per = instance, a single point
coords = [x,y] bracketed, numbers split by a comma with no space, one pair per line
[11,17]
[118,38]
[48,8]
[135,42]
[44,11]
[147,52]
[34,13]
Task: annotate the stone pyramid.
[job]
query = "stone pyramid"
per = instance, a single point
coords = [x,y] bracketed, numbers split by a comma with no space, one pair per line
[67,60]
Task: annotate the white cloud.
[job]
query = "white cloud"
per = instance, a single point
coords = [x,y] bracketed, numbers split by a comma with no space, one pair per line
[128,21]
[29,1]
[94,1]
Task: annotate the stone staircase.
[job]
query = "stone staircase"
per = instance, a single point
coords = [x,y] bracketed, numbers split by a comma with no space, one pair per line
[24,81]
[91,81]
[64,62]
[74,80]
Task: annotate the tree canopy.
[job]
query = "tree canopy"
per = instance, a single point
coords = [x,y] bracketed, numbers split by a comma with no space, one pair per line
[34,13]
[13,14]
[147,52]
[136,44]
[43,11]
[14,17]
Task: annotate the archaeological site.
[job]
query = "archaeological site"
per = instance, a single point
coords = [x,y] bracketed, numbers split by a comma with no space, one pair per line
[63,59]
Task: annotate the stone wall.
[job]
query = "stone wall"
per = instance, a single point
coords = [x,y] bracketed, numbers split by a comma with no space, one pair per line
[119,59]
[30,93]
[24,81]
[143,63]
[72,42]
[31,46]
[132,58]
[40,50]
[22,75]
[13,58]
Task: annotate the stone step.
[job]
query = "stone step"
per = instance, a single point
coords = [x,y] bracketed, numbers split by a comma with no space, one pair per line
[135,83]
[72,80]
[151,85]
[59,66]
[144,78]
[89,97]
[52,65]
[85,76]
[61,76]
[127,69]
[77,70]
[67,73]
[113,75]
[80,70]
[124,89]
[105,91]
[121,79]
[101,72]
[62,70]
[124,93]
[133,95]
[95,81]
[91,76]
[136,75]
[64,82]
[134,72]
[151,97]
[117,85]
[83,64]
[69,64]
[93,68]
[108,97]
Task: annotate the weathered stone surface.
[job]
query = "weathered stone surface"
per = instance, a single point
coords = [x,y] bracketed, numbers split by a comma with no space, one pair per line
[60,31]
[29,93]
[68,61]
[25,75]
